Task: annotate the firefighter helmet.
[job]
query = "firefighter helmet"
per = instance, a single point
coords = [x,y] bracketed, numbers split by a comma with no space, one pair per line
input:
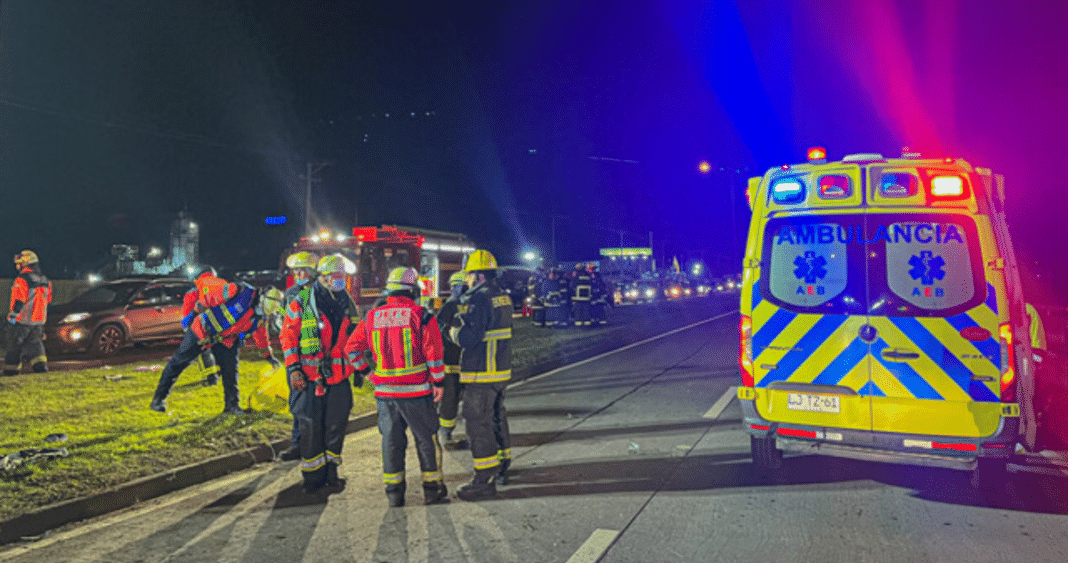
[480,260]
[457,278]
[403,279]
[302,259]
[335,264]
[25,258]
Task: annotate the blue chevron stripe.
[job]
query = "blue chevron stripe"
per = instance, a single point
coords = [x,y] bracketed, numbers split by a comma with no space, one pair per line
[942,357]
[991,297]
[871,389]
[756,295]
[904,373]
[809,343]
[843,364]
[989,347]
[771,329]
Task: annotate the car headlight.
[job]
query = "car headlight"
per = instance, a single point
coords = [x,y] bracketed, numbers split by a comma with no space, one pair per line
[649,293]
[74,317]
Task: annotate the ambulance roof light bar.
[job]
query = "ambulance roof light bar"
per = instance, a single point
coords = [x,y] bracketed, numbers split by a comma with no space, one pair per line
[817,155]
[863,157]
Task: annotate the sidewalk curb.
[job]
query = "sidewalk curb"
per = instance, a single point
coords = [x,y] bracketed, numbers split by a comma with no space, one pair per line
[123,496]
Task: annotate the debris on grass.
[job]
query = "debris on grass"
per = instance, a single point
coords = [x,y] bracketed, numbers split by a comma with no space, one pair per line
[57,437]
[17,459]
[117,377]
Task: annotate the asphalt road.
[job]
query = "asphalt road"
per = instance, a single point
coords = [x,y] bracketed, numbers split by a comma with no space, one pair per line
[636,455]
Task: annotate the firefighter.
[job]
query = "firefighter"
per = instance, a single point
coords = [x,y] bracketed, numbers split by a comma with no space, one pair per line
[484,332]
[222,315]
[319,323]
[31,292]
[598,296]
[554,292]
[302,268]
[537,306]
[405,343]
[450,396]
[580,296]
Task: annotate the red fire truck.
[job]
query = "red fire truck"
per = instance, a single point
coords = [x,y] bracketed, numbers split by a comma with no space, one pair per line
[377,250]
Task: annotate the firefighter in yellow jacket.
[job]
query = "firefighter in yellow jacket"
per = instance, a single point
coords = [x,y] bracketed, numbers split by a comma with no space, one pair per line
[30,295]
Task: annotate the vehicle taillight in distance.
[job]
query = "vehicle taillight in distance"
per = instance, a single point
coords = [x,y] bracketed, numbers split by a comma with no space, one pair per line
[745,350]
[1008,364]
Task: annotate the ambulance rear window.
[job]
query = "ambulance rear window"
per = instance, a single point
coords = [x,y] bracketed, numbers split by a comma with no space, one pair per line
[809,263]
[924,265]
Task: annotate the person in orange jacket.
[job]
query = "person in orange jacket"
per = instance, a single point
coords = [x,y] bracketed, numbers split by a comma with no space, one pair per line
[219,317]
[31,293]
[405,342]
[317,326]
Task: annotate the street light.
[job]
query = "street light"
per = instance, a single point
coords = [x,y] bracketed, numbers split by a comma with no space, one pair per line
[704,167]
[154,252]
[529,256]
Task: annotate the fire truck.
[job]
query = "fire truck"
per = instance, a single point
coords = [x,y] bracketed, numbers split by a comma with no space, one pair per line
[377,250]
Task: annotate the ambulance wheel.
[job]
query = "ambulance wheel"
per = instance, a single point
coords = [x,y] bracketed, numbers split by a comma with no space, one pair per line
[107,340]
[765,455]
[990,478]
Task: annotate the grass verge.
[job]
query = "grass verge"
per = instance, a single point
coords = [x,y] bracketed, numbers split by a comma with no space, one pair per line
[114,438]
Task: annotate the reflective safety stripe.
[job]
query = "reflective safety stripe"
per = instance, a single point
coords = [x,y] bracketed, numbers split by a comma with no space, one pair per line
[431,476]
[313,463]
[485,376]
[504,454]
[407,333]
[39,360]
[491,355]
[376,343]
[452,369]
[401,389]
[393,478]
[360,362]
[399,371]
[291,351]
[486,462]
[447,422]
[309,323]
[435,363]
[498,334]
[333,457]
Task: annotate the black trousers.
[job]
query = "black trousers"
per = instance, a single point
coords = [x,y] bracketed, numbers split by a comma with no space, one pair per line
[323,421]
[226,358]
[395,416]
[24,342]
[450,400]
[582,312]
[557,315]
[598,312]
[487,428]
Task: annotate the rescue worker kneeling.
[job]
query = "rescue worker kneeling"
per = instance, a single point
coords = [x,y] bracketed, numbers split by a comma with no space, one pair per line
[405,343]
[484,332]
[220,315]
[319,322]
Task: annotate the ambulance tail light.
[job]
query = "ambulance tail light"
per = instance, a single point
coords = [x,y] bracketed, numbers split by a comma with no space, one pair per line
[1008,364]
[745,350]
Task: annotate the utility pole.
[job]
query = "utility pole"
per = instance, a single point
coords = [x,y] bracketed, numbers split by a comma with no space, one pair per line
[312,169]
[652,254]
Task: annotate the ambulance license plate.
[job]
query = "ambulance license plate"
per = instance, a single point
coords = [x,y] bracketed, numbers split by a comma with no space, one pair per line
[813,403]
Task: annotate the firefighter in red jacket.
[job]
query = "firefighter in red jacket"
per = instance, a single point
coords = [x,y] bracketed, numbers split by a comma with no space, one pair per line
[405,343]
[221,315]
[31,293]
[318,324]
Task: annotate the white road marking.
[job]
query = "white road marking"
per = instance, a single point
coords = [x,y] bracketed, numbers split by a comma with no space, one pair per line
[594,547]
[721,404]
[627,347]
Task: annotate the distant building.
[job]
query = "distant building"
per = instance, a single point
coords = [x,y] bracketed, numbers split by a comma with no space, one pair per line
[182,259]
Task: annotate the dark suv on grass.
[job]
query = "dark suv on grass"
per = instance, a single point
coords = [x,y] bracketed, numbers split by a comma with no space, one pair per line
[118,313]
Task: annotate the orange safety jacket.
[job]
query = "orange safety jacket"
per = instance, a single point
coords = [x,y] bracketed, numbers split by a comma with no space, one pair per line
[406,344]
[330,362]
[30,295]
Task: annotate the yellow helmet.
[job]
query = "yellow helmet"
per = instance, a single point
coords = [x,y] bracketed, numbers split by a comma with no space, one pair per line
[335,264]
[302,259]
[480,260]
[457,278]
[26,257]
[403,279]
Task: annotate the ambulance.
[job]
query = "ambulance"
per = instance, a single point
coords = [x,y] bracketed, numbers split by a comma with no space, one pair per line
[882,317]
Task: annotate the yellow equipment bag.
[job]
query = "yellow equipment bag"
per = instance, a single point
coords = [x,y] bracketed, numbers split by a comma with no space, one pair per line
[271,393]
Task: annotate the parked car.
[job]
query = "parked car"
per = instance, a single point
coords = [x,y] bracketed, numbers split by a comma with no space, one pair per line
[513,280]
[118,313]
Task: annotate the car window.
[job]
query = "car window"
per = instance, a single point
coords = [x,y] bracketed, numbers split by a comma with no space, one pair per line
[152,295]
[811,264]
[110,294]
[174,293]
[925,265]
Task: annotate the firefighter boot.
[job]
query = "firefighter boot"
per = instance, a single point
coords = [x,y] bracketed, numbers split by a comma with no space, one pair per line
[159,404]
[435,492]
[332,480]
[502,476]
[292,454]
[395,494]
[477,490]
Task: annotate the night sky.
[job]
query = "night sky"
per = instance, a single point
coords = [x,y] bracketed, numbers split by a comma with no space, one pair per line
[491,118]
